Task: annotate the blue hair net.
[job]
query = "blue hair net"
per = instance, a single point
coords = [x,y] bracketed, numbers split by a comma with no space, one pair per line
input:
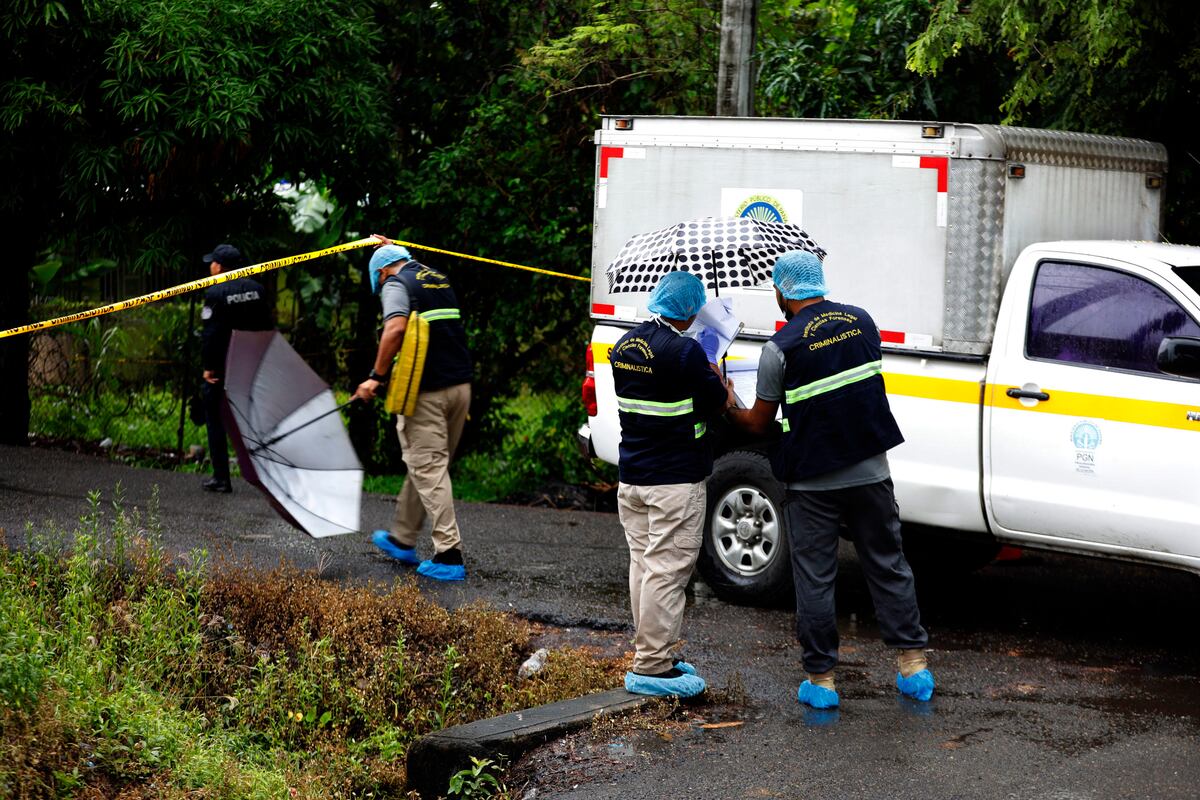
[678,295]
[799,275]
[385,256]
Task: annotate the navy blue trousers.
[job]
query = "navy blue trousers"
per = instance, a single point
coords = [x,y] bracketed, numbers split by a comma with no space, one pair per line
[873,524]
[218,446]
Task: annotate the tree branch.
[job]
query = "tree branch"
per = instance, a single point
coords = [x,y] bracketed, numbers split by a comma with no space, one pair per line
[606,84]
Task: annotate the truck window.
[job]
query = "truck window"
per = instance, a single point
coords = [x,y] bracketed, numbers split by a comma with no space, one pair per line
[1101,317]
[1191,276]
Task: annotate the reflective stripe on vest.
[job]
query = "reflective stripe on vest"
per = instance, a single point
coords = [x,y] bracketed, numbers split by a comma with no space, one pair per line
[700,429]
[440,314]
[787,426]
[854,375]
[653,409]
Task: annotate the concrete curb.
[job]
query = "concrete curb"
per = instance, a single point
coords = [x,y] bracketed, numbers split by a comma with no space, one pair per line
[436,757]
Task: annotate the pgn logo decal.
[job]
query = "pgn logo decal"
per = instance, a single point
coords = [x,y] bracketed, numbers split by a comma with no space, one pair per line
[762,207]
[1086,438]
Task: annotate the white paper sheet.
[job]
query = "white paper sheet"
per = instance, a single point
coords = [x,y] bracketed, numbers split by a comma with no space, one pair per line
[745,384]
[715,327]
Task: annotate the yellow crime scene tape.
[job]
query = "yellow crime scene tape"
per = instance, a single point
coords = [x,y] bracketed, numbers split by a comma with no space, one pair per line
[493,261]
[254,269]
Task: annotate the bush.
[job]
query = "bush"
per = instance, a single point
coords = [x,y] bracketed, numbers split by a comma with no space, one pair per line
[147,419]
[115,378]
[532,443]
[121,673]
[525,443]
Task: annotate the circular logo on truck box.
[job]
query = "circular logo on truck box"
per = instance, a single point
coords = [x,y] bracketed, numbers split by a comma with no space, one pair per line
[762,207]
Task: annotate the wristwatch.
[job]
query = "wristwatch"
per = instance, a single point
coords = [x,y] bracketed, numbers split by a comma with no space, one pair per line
[375,376]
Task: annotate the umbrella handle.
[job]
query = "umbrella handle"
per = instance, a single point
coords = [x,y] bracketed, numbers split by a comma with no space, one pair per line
[724,371]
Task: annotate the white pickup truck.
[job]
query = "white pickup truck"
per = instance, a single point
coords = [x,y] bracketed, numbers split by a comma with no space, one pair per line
[1046,377]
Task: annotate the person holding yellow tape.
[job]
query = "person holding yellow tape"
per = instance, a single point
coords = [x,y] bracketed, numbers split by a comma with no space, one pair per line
[419,302]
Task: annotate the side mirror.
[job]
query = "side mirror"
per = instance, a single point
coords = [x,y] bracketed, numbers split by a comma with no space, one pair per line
[1180,355]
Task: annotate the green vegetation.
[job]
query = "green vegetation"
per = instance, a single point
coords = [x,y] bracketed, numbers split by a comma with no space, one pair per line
[137,421]
[477,781]
[1121,67]
[524,444]
[531,443]
[132,149]
[133,140]
[117,379]
[534,440]
[122,673]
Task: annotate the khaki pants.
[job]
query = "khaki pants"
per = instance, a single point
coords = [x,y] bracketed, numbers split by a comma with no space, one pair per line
[428,439]
[663,527]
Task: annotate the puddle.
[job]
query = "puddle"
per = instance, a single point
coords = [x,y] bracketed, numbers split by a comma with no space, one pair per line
[564,621]
[1153,696]
[819,717]
[637,745]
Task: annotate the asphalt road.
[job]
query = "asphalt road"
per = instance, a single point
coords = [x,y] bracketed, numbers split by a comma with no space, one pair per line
[1059,678]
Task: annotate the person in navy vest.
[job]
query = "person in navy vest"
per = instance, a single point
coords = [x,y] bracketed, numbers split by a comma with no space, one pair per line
[667,392]
[825,367]
[429,437]
[239,305]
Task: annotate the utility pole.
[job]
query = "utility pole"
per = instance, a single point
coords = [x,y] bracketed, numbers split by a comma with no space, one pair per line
[735,75]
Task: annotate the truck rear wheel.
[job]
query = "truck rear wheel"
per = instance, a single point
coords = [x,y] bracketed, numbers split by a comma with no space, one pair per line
[745,557]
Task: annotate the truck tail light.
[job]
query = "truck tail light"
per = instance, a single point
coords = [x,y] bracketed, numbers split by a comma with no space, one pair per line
[589,385]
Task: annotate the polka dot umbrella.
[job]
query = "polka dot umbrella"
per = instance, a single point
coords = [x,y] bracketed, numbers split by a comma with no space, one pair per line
[724,252]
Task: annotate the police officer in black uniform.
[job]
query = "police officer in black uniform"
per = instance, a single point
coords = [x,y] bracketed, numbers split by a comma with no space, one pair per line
[825,366]
[239,305]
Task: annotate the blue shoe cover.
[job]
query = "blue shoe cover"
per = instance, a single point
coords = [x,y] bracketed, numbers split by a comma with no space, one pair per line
[442,572]
[683,686]
[918,686]
[817,696]
[405,555]
[684,667]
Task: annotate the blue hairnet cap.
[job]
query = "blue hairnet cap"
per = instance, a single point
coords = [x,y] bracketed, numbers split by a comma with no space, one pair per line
[678,295]
[385,256]
[799,275]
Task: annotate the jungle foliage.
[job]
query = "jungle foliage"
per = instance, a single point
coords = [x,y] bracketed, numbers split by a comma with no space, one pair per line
[140,133]
[1118,67]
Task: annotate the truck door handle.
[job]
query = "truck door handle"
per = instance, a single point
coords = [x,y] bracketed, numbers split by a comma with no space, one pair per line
[1021,393]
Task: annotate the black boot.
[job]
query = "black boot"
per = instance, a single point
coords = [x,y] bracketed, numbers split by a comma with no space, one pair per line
[217,485]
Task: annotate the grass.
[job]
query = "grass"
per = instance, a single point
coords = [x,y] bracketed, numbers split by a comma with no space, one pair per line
[476,479]
[145,419]
[530,439]
[123,673]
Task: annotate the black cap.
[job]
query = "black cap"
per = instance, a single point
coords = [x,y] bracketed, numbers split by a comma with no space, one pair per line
[224,254]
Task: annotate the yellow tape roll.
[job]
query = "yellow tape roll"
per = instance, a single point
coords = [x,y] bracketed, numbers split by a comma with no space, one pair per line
[408,367]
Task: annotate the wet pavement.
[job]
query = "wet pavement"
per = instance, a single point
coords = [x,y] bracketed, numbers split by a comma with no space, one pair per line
[1059,678]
